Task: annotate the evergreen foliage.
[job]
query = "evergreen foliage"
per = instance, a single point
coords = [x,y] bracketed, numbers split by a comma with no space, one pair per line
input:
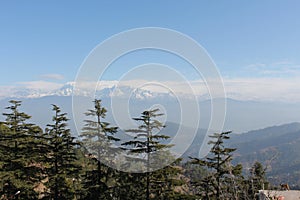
[98,137]
[19,172]
[147,147]
[257,179]
[221,176]
[60,158]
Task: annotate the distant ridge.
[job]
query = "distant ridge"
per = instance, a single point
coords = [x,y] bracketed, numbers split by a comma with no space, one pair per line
[277,147]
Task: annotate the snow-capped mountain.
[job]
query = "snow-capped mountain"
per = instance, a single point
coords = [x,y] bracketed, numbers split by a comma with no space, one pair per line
[37,100]
[23,92]
[106,89]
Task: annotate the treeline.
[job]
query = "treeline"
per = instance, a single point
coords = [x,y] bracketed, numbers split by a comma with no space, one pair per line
[53,164]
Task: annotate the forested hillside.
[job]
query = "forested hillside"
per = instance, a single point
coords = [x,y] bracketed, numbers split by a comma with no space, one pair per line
[276,147]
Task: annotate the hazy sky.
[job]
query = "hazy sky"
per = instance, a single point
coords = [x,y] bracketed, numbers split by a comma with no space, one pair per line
[48,40]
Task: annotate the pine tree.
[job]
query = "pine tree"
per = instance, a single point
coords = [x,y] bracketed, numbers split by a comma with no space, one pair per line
[20,172]
[170,182]
[199,180]
[61,169]
[129,186]
[257,179]
[98,137]
[147,146]
[219,162]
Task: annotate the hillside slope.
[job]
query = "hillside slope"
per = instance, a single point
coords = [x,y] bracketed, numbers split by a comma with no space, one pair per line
[277,147]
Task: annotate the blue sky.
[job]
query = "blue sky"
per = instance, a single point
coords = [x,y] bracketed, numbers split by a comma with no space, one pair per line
[48,40]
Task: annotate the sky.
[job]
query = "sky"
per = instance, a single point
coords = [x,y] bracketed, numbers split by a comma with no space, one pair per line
[45,42]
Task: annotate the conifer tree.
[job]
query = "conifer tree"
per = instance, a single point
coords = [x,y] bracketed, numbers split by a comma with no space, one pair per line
[169,182]
[147,145]
[130,186]
[62,170]
[20,172]
[98,137]
[219,162]
[257,179]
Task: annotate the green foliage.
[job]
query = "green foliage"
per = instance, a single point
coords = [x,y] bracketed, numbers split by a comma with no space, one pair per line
[19,171]
[98,137]
[147,147]
[169,182]
[60,158]
[257,179]
[218,182]
[97,134]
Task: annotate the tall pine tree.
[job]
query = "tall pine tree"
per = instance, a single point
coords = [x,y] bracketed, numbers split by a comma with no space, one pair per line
[219,163]
[20,172]
[62,169]
[147,146]
[98,138]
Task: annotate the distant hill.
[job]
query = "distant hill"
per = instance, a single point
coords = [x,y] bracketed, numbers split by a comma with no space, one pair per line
[253,140]
[277,147]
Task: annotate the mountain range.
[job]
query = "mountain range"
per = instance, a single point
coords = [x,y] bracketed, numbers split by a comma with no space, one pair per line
[104,89]
[241,116]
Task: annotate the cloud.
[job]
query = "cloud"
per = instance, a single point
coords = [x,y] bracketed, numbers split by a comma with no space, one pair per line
[277,89]
[6,91]
[52,77]
[275,69]
[39,85]
[31,89]
[285,89]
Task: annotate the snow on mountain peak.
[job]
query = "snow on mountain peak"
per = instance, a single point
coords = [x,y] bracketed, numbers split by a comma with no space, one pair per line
[100,89]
